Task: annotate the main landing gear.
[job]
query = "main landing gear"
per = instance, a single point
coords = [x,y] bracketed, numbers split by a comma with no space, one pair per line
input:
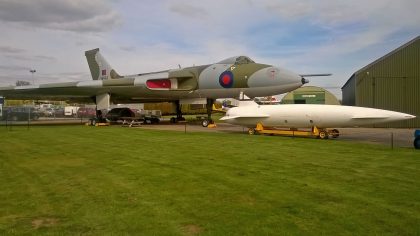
[206,122]
[209,107]
[179,116]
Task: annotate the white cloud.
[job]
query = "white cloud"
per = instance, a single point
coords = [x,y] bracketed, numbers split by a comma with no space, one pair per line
[307,36]
[10,50]
[14,68]
[69,15]
[188,10]
[351,27]
[290,10]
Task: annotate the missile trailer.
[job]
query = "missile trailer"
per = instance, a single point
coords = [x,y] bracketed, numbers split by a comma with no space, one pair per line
[314,132]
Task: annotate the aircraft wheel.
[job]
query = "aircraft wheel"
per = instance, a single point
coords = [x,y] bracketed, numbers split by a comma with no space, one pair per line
[323,135]
[417,143]
[173,120]
[251,131]
[93,122]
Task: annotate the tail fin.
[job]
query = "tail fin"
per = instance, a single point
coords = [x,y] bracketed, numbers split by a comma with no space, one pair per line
[99,67]
[245,100]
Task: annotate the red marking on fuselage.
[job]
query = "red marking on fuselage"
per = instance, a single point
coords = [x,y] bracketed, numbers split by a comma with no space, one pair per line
[159,84]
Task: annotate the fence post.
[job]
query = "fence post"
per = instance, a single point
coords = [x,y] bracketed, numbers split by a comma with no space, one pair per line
[392,140]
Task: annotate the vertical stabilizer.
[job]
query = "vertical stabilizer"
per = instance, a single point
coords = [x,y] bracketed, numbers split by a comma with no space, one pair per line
[99,67]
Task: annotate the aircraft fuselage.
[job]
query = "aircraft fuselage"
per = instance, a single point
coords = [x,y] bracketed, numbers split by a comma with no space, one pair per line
[225,79]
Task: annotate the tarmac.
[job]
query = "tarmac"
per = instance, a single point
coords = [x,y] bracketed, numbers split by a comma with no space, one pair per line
[383,136]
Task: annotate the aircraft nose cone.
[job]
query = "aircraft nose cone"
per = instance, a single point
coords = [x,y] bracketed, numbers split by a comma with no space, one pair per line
[274,76]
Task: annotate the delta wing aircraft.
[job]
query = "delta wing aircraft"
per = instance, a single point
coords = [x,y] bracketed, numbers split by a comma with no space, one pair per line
[190,85]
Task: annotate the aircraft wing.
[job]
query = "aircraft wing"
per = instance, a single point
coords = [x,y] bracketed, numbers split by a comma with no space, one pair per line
[142,88]
[55,91]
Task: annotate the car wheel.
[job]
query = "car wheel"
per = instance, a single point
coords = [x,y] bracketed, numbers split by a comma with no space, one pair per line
[417,143]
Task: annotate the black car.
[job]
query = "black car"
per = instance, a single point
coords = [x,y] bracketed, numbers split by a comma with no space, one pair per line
[118,113]
[19,113]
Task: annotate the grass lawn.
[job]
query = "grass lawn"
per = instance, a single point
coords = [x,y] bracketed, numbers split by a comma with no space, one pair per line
[112,180]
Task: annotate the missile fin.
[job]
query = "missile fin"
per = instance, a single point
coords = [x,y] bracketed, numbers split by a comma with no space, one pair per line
[228,117]
[244,116]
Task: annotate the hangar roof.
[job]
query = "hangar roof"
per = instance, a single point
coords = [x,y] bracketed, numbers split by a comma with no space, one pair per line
[389,54]
[382,58]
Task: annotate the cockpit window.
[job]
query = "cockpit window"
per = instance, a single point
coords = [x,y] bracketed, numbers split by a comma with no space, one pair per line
[243,60]
[237,60]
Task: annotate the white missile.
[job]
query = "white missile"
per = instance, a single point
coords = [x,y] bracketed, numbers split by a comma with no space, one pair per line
[249,114]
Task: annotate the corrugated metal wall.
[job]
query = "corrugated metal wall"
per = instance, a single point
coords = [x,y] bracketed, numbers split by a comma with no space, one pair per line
[393,83]
[348,92]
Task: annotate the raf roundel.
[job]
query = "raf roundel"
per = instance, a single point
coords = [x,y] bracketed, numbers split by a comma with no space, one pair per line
[226,79]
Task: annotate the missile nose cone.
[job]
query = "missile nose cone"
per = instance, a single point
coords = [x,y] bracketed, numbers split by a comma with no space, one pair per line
[402,116]
[408,116]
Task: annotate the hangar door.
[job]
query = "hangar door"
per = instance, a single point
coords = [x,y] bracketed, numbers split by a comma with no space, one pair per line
[312,97]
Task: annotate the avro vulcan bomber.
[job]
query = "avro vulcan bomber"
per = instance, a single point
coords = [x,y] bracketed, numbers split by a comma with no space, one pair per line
[191,85]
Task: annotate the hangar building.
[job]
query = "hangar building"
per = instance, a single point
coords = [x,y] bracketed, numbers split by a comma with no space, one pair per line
[310,95]
[392,82]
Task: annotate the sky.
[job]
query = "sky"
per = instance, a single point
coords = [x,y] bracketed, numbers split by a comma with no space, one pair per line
[138,36]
